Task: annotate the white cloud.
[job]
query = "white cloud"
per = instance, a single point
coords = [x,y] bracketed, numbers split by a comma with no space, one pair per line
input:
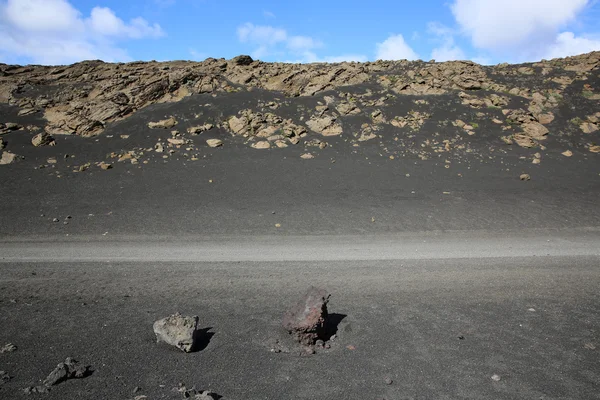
[104,22]
[567,44]
[55,32]
[277,43]
[268,14]
[395,48]
[522,29]
[447,50]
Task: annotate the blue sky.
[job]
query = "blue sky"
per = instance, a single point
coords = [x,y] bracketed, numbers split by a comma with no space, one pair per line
[487,31]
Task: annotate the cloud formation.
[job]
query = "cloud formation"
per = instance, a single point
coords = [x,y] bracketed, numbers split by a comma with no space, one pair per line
[276,42]
[55,32]
[521,29]
[395,48]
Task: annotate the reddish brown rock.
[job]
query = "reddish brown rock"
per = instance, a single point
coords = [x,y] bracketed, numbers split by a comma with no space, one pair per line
[306,320]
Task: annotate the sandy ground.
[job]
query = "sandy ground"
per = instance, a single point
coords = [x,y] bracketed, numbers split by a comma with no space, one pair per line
[439,328]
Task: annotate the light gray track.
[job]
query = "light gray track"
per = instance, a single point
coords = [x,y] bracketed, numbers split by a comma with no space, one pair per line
[415,246]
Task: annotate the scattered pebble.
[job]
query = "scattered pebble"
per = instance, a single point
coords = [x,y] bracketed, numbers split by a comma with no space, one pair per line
[496,378]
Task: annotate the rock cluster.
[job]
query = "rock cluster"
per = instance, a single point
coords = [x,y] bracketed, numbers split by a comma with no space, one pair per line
[69,369]
[267,128]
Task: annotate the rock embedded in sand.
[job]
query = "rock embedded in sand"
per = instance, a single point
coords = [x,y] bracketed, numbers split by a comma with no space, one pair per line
[306,320]
[567,153]
[69,369]
[177,330]
[176,142]
[263,144]
[8,348]
[2,144]
[163,124]
[43,139]
[214,142]
[4,377]
[525,177]
[8,158]
[595,149]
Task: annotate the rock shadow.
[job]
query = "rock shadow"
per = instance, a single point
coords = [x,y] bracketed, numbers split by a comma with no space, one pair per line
[202,339]
[331,325]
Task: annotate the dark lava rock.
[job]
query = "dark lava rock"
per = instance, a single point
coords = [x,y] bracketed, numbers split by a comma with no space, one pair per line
[70,369]
[242,60]
[4,377]
[306,320]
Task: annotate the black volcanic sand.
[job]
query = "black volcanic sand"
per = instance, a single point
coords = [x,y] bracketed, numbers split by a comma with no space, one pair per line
[437,329]
[343,190]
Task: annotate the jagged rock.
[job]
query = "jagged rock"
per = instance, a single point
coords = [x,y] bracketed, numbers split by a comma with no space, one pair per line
[535,130]
[306,321]
[588,127]
[214,142]
[263,144]
[176,141]
[4,377]
[2,144]
[177,330]
[595,149]
[8,348]
[242,60]
[196,130]
[326,125]
[307,156]
[347,108]
[43,139]
[69,369]
[8,158]
[523,140]
[567,153]
[163,124]
[195,394]
[8,127]
[105,166]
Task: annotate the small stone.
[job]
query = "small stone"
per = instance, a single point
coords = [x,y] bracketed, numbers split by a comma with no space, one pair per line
[388,381]
[136,389]
[496,378]
[177,330]
[567,153]
[163,124]
[277,225]
[55,220]
[105,166]
[177,142]
[214,142]
[593,149]
[4,377]
[8,158]
[307,156]
[8,348]
[525,177]
[159,147]
[263,144]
